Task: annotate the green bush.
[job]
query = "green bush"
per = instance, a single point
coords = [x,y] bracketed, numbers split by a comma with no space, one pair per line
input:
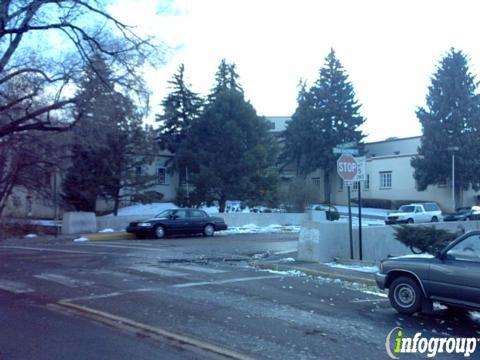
[424,239]
[375,203]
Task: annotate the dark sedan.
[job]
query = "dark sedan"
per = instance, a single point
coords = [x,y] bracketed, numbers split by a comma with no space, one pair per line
[464,214]
[451,277]
[177,221]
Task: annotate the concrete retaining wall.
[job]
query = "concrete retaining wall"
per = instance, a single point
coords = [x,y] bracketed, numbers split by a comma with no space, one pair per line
[118,223]
[232,219]
[323,242]
[79,222]
[263,219]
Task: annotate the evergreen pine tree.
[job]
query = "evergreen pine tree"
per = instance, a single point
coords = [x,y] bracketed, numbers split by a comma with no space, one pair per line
[229,150]
[180,108]
[450,120]
[327,115]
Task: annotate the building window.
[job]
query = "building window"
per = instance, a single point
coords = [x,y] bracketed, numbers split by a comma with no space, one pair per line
[340,184]
[385,180]
[316,181]
[366,183]
[161,176]
[138,171]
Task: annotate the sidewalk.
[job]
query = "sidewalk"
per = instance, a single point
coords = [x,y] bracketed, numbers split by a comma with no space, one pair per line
[316,269]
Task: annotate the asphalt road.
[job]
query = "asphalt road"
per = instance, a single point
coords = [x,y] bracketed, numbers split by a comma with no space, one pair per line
[189,298]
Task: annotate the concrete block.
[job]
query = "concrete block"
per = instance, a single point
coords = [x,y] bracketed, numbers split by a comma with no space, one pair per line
[79,223]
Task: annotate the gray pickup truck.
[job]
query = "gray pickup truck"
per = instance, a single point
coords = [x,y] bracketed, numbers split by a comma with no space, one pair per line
[450,277]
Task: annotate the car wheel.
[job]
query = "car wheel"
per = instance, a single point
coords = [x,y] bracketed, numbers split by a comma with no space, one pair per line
[410,221]
[208,230]
[405,295]
[434,219]
[159,232]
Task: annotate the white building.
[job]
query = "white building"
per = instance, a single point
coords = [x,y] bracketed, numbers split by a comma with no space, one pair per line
[389,175]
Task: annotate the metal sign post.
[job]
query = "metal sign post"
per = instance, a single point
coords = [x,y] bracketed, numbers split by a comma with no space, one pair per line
[347,169]
[350,227]
[361,176]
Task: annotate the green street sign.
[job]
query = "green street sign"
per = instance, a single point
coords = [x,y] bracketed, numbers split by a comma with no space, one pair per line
[337,150]
[348,145]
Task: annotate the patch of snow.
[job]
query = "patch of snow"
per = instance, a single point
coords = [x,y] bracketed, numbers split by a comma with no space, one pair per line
[80,239]
[286,273]
[31,236]
[365,211]
[475,315]
[365,221]
[438,306]
[362,268]
[210,209]
[255,229]
[108,230]
[289,259]
[376,293]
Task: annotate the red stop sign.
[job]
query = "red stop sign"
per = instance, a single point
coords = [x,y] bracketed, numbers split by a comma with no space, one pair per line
[347,167]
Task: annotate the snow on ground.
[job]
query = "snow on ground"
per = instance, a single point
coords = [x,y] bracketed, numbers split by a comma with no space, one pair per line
[381,213]
[285,273]
[80,239]
[145,209]
[108,230]
[362,268]
[31,236]
[255,229]
[288,259]
[475,316]
[365,221]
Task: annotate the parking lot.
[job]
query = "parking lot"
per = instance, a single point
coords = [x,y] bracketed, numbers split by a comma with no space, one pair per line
[190,297]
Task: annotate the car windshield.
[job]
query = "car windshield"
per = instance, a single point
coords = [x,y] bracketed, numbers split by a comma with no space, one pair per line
[463,210]
[406,208]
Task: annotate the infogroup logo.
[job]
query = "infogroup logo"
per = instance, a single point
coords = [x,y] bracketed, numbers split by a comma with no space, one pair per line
[397,343]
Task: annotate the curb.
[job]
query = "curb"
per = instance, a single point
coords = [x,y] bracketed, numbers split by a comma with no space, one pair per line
[313,272]
[356,262]
[110,236]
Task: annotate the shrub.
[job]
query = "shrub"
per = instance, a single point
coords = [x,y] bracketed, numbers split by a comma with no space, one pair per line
[375,203]
[421,239]
[299,194]
[148,197]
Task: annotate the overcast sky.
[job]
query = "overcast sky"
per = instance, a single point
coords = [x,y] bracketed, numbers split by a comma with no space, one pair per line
[390,49]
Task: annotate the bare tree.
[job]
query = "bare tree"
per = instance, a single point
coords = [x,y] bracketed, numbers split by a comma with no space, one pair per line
[47,43]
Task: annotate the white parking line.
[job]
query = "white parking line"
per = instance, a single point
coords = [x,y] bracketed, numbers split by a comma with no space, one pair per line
[15,287]
[198,268]
[112,294]
[132,247]
[46,249]
[64,280]
[228,281]
[368,300]
[157,270]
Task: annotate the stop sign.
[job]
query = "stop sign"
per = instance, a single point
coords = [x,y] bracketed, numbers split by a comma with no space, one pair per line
[347,167]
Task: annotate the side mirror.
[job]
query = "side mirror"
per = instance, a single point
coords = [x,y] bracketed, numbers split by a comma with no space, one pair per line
[439,254]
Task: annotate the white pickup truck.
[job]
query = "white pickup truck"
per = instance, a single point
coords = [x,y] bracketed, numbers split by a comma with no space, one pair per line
[415,213]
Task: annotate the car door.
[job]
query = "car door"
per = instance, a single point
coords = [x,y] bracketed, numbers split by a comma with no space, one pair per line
[179,224]
[199,219]
[456,276]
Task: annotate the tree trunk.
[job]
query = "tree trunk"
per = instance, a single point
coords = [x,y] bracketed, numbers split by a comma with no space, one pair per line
[116,203]
[222,202]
